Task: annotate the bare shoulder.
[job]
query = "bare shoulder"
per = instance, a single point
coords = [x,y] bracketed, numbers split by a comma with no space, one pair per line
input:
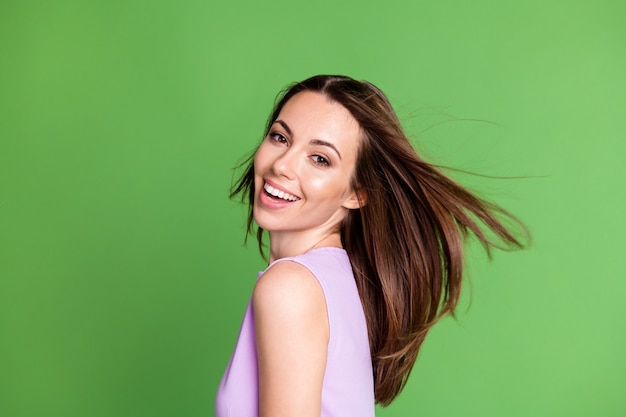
[292,335]
[289,305]
[289,287]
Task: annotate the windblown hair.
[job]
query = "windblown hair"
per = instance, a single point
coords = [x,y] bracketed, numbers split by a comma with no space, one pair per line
[406,241]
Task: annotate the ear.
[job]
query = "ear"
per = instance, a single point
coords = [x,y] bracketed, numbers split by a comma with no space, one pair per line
[356,200]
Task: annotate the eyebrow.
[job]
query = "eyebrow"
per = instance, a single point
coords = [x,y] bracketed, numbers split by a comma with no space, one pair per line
[284,125]
[315,142]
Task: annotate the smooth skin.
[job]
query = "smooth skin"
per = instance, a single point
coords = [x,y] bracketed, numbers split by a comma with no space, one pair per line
[292,340]
[310,154]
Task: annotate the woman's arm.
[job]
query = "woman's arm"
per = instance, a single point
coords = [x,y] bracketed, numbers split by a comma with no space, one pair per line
[292,334]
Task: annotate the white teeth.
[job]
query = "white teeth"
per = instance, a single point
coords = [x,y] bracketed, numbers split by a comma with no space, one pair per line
[279,193]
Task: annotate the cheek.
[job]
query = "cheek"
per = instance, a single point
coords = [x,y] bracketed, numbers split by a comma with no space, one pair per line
[263,156]
[317,184]
[258,160]
[329,189]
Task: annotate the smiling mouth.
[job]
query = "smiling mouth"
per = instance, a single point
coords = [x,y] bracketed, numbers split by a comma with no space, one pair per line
[276,193]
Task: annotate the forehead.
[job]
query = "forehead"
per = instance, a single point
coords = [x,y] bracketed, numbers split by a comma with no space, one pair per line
[314,114]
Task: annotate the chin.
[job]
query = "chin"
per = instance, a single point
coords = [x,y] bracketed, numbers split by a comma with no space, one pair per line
[258,218]
[267,226]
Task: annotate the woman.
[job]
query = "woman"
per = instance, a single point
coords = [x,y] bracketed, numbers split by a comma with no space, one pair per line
[365,255]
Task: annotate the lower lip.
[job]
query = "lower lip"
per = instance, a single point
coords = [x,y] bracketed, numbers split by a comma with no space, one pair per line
[274,203]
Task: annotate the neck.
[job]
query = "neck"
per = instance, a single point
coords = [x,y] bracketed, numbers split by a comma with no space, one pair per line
[284,245]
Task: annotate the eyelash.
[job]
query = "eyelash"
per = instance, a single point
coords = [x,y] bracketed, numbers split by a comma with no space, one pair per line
[317,159]
[320,160]
[277,137]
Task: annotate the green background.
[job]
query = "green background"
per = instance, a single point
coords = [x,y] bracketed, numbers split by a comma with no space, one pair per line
[123,275]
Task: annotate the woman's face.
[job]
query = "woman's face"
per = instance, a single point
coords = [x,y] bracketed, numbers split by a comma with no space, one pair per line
[304,166]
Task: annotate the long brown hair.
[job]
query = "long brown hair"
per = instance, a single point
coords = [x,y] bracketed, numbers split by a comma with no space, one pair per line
[405,243]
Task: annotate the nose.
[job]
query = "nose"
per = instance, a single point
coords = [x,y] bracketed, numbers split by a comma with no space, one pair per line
[285,165]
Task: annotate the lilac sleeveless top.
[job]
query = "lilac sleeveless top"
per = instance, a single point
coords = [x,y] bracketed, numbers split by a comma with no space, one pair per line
[348,387]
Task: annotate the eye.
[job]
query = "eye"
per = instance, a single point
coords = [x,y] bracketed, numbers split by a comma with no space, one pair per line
[320,160]
[277,137]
